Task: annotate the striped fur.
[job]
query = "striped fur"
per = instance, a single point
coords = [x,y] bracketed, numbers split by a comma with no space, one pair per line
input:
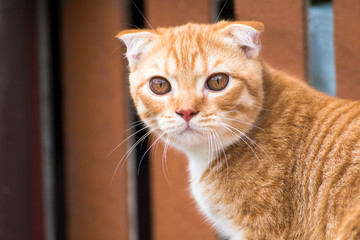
[269,157]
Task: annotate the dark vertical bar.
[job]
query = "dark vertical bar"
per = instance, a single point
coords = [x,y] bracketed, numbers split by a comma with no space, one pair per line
[143,187]
[224,10]
[21,214]
[56,89]
[36,177]
[48,25]
[142,179]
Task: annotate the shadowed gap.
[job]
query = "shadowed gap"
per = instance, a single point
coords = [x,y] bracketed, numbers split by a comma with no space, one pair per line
[223,10]
[55,45]
[143,180]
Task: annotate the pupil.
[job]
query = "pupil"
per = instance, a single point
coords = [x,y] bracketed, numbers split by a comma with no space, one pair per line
[161,84]
[218,80]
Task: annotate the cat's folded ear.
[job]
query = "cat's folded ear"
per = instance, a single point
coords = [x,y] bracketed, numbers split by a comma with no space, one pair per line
[245,35]
[136,42]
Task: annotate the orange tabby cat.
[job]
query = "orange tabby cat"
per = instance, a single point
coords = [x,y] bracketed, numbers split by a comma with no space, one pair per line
[269,157]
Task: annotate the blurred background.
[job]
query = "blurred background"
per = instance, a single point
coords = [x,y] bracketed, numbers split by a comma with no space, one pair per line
[65,109]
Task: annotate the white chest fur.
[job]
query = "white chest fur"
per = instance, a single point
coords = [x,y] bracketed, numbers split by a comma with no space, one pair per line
[200,191]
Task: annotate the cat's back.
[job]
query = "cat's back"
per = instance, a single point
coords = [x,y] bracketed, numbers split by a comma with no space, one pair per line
[315,140]
[329,171]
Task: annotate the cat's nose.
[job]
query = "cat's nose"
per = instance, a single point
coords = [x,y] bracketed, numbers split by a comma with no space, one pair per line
[187,114]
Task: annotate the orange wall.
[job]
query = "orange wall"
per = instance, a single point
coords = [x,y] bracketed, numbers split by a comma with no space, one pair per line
[347,48]
[95,115]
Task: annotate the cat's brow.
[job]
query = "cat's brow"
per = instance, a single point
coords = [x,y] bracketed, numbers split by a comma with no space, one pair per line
[217,63]
[186,52]
[155,65]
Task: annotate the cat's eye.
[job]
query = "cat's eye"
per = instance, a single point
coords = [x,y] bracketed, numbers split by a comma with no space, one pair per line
[159,85]
[217,82]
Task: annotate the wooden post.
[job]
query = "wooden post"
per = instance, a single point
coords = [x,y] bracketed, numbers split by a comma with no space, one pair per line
[284,42]
[21,203]
[174,212]
[347,48]
[95,117]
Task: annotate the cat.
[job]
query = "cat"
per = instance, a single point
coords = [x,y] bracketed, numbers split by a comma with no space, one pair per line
[269,157]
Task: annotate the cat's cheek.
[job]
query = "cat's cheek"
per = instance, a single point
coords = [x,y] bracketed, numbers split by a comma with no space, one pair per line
[152,102]
[206,92]
[141,109]
[162,98]
[245,99]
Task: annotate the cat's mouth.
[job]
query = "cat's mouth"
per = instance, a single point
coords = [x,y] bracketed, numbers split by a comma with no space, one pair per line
[190,130]
[191,136]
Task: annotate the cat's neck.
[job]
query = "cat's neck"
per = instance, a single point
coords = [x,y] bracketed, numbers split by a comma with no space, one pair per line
[199,160]
[201,157]
[284,91]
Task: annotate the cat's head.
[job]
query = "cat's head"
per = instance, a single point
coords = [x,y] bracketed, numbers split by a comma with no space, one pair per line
[196,83]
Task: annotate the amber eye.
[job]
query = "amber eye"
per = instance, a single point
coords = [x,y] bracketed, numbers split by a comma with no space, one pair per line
[217,82]
[159,85]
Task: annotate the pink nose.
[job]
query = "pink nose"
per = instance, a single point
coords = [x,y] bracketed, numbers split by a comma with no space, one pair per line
[187,114]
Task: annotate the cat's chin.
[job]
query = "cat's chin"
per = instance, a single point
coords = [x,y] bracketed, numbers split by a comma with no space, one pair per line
[190,131]
[188,138]
[191,139]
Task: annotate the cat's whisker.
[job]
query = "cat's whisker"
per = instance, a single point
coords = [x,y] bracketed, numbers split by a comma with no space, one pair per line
[208,143]
[253,142]
[213,148]
[234,110]
[260,107]
[142,15]
[116,48]
[141,146]
[132,25]
[236,120]
[142,158]
[166,149]
[220,148]
[164,156]
[226,160]
[241,138]
[217,152]
[209,146]
[127,139]
[132,125]
[156,147]
[126,155]
[222,9]
[136,123]
[163,159]
[210,159]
